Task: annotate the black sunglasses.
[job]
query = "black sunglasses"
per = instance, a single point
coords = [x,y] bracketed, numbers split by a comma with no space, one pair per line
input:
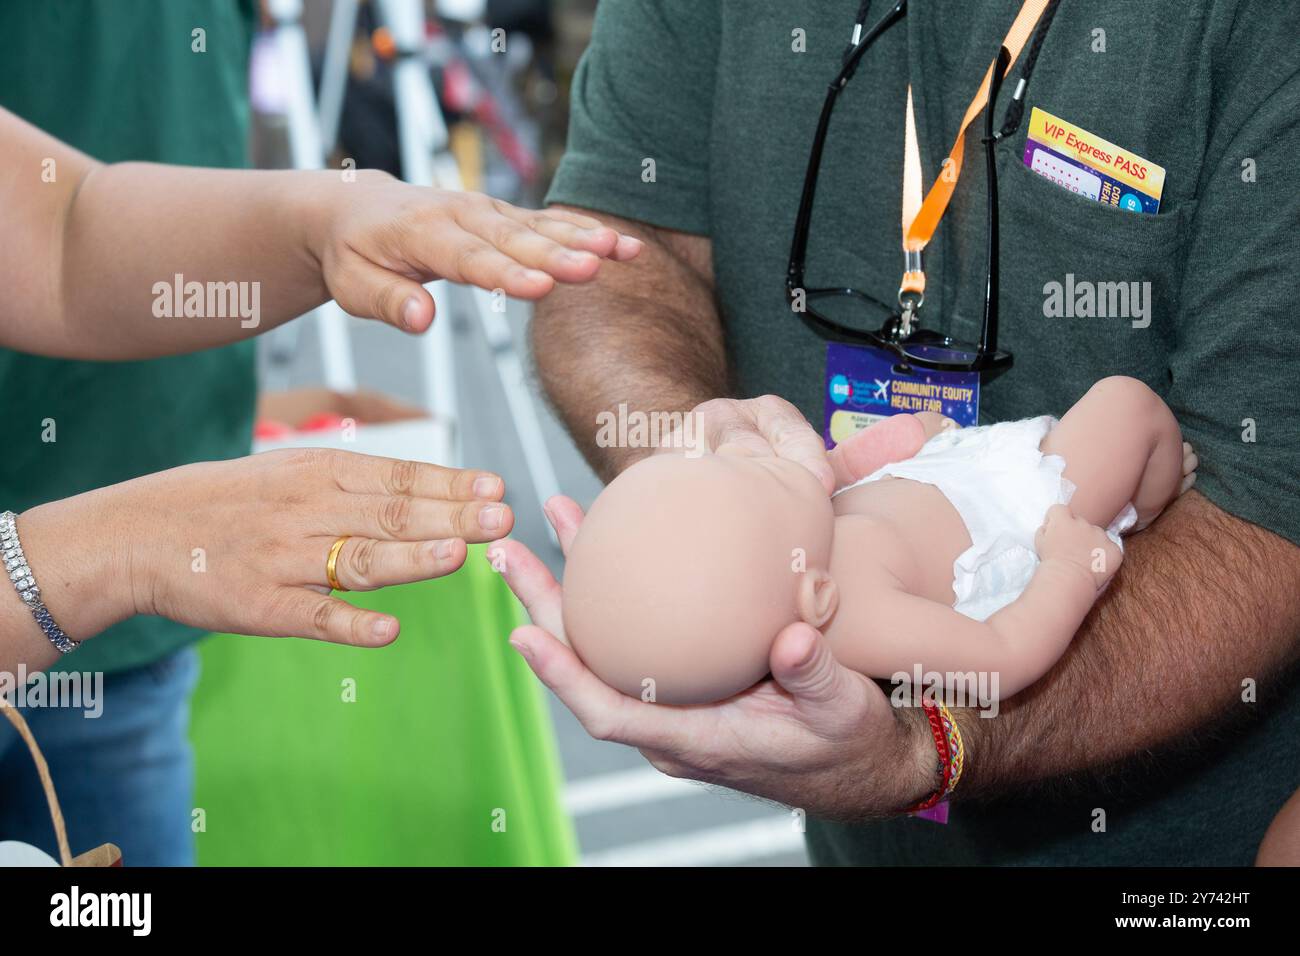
[830,311]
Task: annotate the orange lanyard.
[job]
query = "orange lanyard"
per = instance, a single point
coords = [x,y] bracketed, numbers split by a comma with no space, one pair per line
[920,219]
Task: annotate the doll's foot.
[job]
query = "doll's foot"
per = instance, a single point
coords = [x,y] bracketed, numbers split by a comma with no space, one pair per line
[933,423]
[1190,461]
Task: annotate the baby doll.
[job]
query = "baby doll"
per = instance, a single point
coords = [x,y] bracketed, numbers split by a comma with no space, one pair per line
[974,550]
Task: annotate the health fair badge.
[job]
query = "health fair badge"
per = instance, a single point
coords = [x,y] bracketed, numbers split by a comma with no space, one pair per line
[864,385]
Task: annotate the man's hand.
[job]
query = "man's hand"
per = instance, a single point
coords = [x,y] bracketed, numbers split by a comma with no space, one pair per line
[770,425]
[762,426]
[816,736]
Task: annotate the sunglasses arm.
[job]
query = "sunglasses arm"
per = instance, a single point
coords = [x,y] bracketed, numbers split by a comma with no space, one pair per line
[799,246]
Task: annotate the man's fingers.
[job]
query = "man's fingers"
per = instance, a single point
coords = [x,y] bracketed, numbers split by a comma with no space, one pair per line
[603,712]
[372,475]
[365,564]
[531,581]
[791,437]
[803,665]
[768,425]
[726,421]
[370,291]
[740,437]
[304,613]
[565,516]
[764,426]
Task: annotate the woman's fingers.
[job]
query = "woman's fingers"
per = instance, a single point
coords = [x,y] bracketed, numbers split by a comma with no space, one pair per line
[371,475]
[403,518]
[365,564]
[390,237]
[575,231]
[560,249]
[568,248]
[625,247]
[299,612]
[472,260]
[581,220]
[371,291]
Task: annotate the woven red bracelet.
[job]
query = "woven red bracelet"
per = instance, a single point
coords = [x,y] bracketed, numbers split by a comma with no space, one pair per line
[935,718]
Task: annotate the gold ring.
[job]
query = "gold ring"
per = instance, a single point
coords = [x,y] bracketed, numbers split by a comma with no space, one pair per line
[331,564]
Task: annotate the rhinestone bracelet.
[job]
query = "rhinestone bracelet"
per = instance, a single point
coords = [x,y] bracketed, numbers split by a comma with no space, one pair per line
[21,575]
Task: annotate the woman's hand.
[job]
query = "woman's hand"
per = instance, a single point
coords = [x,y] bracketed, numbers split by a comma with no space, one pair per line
[383,238]
[241,545]
[116,248]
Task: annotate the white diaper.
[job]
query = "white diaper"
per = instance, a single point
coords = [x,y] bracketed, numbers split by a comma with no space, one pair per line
[1002,486]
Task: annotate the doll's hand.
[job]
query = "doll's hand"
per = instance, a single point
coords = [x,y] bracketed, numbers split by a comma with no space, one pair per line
[1067,537]
[383,238]
[817,736]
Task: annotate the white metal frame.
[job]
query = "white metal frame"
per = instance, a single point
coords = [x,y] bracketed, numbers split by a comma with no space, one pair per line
[426,161]
[306,152]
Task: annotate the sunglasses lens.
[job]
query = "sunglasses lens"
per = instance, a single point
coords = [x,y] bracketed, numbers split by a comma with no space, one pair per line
[858,317]
[850,312]
[950,353]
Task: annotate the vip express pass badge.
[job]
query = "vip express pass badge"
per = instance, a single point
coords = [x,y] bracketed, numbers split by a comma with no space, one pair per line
[864,385]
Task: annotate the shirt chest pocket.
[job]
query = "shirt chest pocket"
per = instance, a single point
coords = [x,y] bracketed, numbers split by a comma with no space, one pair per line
[1088,290]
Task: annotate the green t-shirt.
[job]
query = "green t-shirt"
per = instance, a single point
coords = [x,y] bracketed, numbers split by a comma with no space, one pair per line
[120,81]
[724,97]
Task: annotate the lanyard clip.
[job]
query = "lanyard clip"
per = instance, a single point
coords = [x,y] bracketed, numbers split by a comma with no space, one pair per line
[911,293]
[908,318]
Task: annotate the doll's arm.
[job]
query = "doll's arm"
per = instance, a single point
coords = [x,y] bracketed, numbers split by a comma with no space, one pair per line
[895,438]
[1020,643]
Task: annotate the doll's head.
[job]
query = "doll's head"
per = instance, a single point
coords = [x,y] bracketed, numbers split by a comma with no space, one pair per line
[686,569]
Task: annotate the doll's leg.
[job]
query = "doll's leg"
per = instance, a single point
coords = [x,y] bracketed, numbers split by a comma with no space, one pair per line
[1121,444]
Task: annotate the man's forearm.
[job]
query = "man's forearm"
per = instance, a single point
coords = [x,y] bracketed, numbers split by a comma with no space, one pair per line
[1203,602]
[646,336]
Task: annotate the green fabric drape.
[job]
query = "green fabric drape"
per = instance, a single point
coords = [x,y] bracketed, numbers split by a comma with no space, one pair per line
[445,757]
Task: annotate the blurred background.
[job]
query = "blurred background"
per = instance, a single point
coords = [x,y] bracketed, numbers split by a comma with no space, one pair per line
[475,91]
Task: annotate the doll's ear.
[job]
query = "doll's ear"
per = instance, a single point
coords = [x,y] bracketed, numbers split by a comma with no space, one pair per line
[818,597]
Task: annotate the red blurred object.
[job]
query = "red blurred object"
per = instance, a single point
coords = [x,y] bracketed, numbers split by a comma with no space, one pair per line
[322,422]
[264,429]
[269,429]
[462,93]
[283,414]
